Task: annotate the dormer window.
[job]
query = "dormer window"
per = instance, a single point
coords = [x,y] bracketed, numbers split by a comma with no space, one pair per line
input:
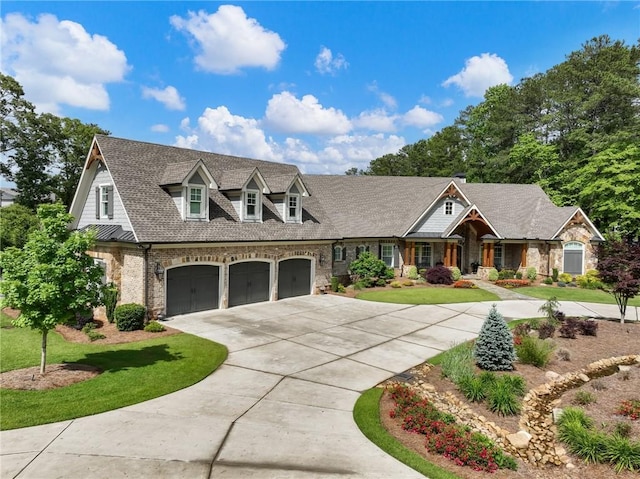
[196,197]
[448,208]
[252,206]
[104,202]
[293,208]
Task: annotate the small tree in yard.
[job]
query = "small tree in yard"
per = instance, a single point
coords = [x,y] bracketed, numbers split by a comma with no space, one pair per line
[494,350]
[619,270]
[51,277]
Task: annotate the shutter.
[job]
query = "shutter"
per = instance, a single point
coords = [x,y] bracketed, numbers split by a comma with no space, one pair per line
[344,253]
[367,249]
[110,202]
[396,256]
[97,202]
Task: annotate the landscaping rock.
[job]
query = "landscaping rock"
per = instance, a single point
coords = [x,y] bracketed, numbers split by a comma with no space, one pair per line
[519,440]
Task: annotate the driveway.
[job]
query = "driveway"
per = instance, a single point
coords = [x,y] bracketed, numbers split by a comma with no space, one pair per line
[280,406]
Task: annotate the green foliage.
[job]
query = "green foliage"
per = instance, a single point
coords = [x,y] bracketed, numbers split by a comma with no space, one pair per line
[383,282]
[390,274]
[368,266]
[457,363]
[494,350]
[622,452]
[428,295]
[554,275]
[493,275]
[51,275]
[623,429]
[565,277]
[412,272]
[549,308]
[548,280]
[16,222]
[591,280]
[341,288]
[154,327]
[534,351]
[334,283]
[532,273]
[506,274]
[583,398]
[502,399]
[110,299]
[473,388]
[455,273]
[130,316]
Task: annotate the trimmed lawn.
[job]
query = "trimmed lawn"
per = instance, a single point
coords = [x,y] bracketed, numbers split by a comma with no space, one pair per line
[132,373]
[366,414]
[573,294]
[428,295]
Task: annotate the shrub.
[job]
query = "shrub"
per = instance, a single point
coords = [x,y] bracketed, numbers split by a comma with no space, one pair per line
[506,274]
[493,350]
[383,282]
[368,266]
[341,288]
[598,385]
[455,273]
[154,327]
[546,330]
[473,388]
[588,327]
[522,329]
[439,275]
[407,283]
[583,398]
[335,282]
[549,308]
[395,284]
[512,283]
[591,280]
[561,284]
[534,351]
[493,275]
[130,317]
[457,363]
[502,400]
[629,408]
[412,272]
[622,429]
[519,275]
[109,299]
[390,273]
[565,278]
[563,354]
[464,283]
[554,275]
[517,384]
[532,273]
[569,328]
[548,281]
[623,453]
[89,330]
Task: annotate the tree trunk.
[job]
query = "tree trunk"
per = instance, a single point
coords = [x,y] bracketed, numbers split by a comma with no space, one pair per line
[43,355]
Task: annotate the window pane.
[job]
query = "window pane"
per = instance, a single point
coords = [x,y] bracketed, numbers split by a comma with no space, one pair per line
[387,254]
[252,201]
[337,253]
[194,208]
[293,206]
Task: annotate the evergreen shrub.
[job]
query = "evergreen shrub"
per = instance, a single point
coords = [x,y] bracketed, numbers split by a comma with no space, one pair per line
[455,273]
[130,317]
[532,273]
[494,349]
[493,274]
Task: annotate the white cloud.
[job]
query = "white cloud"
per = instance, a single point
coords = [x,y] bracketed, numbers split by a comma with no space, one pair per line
[425,100]
[159,128]
[376,120]
[447,102]
[326,63]
[288,114]
[421,117]
[59,62]
[480,73]
[169,97]
[345,151]
[384,97]
[220,131]
[228,41]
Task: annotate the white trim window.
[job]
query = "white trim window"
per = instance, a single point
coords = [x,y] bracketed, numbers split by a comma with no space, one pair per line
[448,208]
[293,208]
[386,254]
[498,256]
[104,202]
[423,255]
[361,249]
[252,206]
[196,207]
[573,258]
[339,253]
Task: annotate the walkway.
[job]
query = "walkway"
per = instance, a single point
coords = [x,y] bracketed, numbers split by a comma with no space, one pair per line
[502,293]
[280,406]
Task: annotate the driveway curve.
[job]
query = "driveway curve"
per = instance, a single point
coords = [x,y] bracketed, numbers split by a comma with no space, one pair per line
[280,406]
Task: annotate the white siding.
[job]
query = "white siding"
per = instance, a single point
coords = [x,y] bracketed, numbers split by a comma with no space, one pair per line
[437,221]
[88,215]
[236,201]
[177,198]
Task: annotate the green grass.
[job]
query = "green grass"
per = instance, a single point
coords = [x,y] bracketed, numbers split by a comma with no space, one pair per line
[366,414]
[132,373]
[428,296]
[573,294]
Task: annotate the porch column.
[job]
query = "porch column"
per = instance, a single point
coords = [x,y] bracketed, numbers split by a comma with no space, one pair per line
[491,253]
[454,255]
[413,254]
[447,255]
[407,254]
[485,255]
[523,255]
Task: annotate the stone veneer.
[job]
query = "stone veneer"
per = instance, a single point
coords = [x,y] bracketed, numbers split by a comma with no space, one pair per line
[536,419]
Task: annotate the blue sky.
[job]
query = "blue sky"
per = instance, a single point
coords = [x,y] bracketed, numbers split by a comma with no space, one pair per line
[324,85]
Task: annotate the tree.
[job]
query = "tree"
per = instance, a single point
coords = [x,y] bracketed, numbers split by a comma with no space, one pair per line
[368,266]
[619,270]
[16,222]
[494,350]
[44,153]
[51,277]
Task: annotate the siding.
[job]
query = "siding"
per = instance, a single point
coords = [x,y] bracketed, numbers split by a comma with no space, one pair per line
[88,215]
[177,198]
[437,221]
[236,201]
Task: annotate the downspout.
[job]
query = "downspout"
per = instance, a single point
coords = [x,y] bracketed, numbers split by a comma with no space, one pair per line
[145,274]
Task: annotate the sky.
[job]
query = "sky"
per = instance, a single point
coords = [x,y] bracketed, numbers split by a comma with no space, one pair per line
[323,85]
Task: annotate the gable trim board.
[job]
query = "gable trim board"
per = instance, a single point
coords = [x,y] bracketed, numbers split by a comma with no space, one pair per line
[347,211]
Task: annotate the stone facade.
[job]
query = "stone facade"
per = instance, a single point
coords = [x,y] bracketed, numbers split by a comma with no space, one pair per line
[581,234]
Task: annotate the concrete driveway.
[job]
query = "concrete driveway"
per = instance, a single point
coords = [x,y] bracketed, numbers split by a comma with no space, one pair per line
[280,406]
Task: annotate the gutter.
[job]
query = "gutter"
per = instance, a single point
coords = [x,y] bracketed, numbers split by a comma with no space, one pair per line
[145,274]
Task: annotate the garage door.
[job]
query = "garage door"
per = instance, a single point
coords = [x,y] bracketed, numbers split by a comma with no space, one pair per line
[249,282]
[294,278]
[192,288]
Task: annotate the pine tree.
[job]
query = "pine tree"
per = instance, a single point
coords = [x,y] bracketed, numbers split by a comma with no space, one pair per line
[494,349]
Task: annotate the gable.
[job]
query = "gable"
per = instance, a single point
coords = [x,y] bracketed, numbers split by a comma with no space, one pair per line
[437,219]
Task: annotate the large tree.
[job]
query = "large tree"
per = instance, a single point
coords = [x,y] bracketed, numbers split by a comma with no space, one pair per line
[51,277]
[44,153]
[16,222]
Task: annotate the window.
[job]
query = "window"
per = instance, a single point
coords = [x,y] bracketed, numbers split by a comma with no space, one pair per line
[103,265]
[361,249]
[423,255]
[498,256]
[293,208]
[196,208]
[339,253]
[448,207]
[104,202]
[251,205]
[573,258]
[386,254]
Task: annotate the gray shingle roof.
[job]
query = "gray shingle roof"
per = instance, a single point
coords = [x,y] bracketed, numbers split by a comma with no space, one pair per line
[175,173]
[138,169]
[235,179]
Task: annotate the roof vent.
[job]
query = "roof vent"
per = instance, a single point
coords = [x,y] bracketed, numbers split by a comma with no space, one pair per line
[461,176]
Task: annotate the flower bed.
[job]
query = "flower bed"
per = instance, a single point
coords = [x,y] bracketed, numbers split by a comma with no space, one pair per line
[464,283]
[512,283]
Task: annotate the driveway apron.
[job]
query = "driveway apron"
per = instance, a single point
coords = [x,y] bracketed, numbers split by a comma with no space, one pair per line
[281,405]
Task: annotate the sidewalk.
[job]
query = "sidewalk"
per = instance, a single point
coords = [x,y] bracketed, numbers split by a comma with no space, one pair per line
[502,293]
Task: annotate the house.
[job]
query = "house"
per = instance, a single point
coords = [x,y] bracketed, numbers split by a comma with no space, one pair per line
[7,196]
[181,230]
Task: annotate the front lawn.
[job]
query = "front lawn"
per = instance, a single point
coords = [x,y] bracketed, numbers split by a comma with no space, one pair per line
[132,373]
[573,294]
[418,295]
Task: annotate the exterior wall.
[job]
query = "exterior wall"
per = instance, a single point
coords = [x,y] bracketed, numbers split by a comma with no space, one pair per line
[88,215]
[437,221]
[538,257]
[579,233]
[341,268]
